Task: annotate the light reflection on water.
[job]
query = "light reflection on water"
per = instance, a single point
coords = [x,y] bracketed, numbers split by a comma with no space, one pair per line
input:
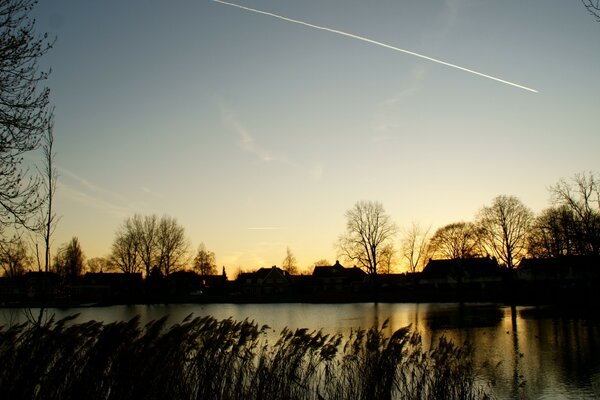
[529,353]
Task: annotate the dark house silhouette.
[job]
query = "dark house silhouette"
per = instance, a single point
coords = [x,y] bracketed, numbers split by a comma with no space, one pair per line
[566,268]
[564,280]
[462,271]
[338,278]
[265,281]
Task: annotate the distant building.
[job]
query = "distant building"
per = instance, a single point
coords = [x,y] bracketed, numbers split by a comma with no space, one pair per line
[477,271]
[565,269]
[338,278]
[265,281]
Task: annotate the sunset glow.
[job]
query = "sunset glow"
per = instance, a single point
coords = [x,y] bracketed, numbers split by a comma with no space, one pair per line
[258,124]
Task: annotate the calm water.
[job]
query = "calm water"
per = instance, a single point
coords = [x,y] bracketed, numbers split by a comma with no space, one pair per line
[530,353]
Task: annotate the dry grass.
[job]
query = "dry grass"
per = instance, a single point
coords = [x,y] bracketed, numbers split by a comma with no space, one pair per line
[202,358]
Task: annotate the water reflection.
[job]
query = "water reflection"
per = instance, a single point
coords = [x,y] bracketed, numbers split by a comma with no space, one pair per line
[528,352]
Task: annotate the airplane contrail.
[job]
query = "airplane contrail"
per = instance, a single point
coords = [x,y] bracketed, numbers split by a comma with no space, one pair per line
[375,42]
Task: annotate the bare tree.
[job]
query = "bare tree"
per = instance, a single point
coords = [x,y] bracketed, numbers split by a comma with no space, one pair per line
[69,260]
[145,231]
[172,245]
[98,264]
[555,232]
[48,219]
[24,109]
[414,246]
[205,262]
[593,6]
[368,230]
[124,254]
[454,241]
[289,263]
[581,195]
[388,258]
[14,257]
[504,227]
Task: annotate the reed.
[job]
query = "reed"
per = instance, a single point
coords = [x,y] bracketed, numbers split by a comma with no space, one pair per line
[203,358]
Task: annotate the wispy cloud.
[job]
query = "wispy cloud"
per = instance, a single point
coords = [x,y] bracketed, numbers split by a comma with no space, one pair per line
[377,43]
[386,119]
[87,185]
[246,140]
[81,190]
[248,143]
[149,191]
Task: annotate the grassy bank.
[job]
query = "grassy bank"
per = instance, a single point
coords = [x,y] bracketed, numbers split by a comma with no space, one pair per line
[202,358]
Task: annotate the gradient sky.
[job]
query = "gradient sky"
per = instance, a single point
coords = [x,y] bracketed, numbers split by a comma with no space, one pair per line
[258,134]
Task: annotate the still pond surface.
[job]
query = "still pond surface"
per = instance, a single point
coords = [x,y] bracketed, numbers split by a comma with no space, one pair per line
[528,352]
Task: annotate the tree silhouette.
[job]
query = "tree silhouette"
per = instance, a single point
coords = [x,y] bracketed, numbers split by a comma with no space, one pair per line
[504,227]
[98,264]
[289,263]
[368,230]
[455,240]
[414,246]
[124,254]
[581,195]
[24,109]
[204,262]
[69,260]
[554,233]
[149,242]
[172,245]
[48,218]
[14,257]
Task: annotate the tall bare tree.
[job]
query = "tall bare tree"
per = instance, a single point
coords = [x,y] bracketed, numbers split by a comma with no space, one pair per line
[204,262]
[145,231]
[368,230]
[504,227]
[172,245]
[24,109]
[289,263]
[414,246]
[387,260]
[581,195]
[554,233]
[455,240]
[125,254]
[48,217]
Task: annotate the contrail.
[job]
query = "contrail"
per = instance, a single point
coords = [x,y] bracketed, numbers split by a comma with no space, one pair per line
[364,39]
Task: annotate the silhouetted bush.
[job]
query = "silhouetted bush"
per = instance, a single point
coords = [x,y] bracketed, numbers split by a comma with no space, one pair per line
[203,358]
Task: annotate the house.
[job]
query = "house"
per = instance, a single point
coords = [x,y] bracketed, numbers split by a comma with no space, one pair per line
[566,279]
[265,281]
[182,284]
[215,284]
[564,269]
[476,271]
[338,278]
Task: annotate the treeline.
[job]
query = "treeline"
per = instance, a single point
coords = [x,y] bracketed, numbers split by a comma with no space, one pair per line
[506,230]
[203,358]
[509,231]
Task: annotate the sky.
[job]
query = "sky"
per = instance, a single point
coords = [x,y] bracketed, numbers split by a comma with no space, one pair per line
[258,133]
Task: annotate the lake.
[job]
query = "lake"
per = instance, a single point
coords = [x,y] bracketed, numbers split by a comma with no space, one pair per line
[528,352]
